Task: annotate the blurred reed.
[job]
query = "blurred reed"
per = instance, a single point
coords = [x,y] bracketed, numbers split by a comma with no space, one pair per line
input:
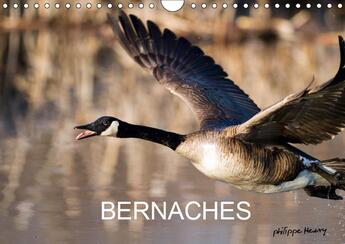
[35,46]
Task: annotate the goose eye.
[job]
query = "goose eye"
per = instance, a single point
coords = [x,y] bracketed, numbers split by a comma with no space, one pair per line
[106,123]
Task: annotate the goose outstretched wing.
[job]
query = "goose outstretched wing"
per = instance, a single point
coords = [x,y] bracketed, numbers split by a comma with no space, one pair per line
[310,116]
[186,71]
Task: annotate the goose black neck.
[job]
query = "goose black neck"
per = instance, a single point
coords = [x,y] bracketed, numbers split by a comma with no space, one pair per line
[166,138]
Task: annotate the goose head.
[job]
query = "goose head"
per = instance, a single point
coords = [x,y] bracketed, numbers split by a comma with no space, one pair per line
[103,126]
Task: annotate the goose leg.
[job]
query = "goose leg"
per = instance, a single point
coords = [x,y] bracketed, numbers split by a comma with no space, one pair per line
[335,178]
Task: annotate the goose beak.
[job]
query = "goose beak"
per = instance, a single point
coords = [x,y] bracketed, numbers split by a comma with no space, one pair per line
[88,132]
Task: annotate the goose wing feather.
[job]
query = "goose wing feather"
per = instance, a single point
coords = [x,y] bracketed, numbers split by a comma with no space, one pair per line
[309,117]
[186,71]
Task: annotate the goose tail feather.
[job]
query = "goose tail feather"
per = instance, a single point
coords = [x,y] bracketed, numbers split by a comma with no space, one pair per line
[336,165]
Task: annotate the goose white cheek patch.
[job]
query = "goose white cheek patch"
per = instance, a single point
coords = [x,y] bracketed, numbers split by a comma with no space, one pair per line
[111,130]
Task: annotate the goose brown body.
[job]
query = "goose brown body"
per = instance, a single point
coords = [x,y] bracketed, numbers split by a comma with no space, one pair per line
[235,161]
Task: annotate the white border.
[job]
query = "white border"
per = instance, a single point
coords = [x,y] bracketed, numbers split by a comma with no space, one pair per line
[151,5]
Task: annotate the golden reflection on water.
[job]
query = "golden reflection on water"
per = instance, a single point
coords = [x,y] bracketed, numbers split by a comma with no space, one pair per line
[52,186]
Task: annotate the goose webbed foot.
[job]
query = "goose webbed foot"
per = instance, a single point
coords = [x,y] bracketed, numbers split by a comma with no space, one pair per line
[326,192]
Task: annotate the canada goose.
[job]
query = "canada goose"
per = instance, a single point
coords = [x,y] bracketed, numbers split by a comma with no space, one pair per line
[237,143]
